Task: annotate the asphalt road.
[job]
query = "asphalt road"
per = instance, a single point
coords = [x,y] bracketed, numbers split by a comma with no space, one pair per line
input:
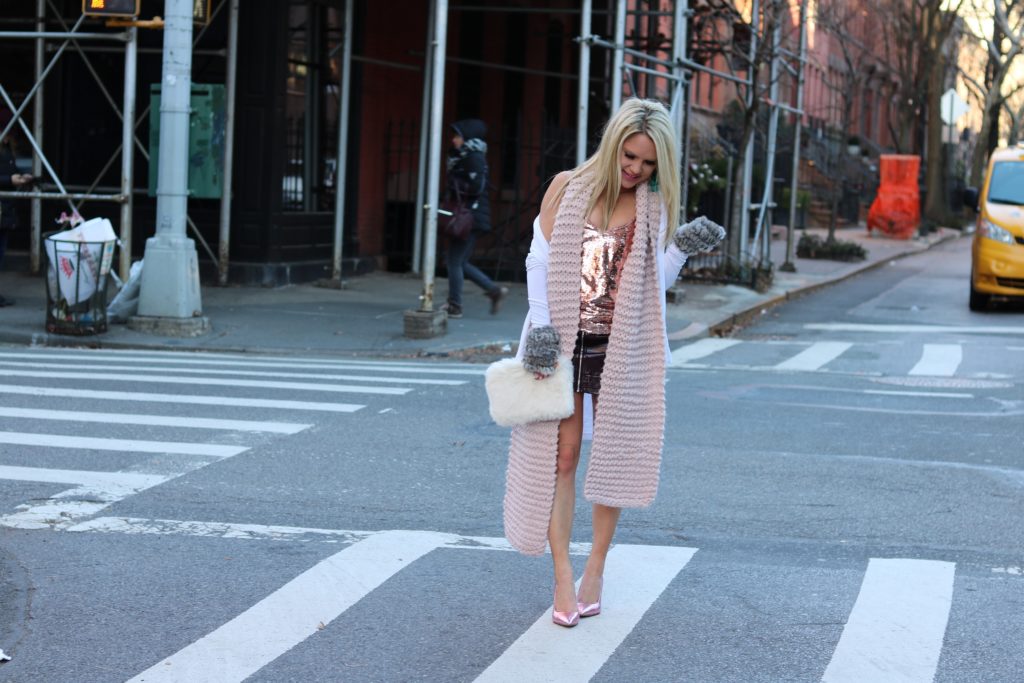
[841,499]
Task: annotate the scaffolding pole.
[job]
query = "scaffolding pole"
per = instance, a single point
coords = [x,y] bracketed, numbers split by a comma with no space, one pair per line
[36,211]
[794,182]
[583,93]
[342,165]
[224,243]
[681,110]
[434,164]
[618,56]
[421,177]
[128,151]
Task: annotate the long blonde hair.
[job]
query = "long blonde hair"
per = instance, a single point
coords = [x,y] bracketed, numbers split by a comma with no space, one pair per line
[634,116]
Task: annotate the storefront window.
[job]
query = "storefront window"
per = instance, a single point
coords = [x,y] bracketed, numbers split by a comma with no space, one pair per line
[311,106]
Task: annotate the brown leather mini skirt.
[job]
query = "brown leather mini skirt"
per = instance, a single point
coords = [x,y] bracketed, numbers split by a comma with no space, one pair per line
[588,362]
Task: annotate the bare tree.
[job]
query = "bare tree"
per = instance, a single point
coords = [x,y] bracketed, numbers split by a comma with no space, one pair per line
[849,27]
[1003,46]
[747,48]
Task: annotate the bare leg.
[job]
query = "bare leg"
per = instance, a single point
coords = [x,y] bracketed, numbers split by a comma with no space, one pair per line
[570,433]
[604,522]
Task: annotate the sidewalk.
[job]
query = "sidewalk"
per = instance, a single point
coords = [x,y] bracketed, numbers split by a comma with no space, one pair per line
[365,319]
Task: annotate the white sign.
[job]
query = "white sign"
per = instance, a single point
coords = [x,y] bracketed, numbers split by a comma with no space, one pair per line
[953,107]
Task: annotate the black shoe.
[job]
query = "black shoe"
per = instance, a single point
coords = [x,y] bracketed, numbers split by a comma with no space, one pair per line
[453,310]
[496,297]
[6,302]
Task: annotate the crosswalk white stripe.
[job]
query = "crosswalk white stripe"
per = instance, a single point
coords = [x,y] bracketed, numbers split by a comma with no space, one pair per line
[701,348]
[128,482]
[289,615]
[923,329]
[128,445]
[634,578]
[938,360]
[178,357]
[154,420]
[815,356]
[250,373]
[202,381]
[897,625]
[190,399]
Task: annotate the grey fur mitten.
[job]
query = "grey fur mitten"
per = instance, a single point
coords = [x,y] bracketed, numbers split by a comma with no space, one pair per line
[698,236]
[542,347]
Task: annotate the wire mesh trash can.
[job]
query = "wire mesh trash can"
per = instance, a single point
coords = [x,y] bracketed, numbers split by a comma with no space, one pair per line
[76,285]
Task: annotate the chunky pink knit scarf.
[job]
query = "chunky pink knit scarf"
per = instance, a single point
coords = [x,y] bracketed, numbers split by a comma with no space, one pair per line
[625,454]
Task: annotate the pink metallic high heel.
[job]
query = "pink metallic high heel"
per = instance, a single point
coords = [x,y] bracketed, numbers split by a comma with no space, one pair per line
[566,619]
[590,609]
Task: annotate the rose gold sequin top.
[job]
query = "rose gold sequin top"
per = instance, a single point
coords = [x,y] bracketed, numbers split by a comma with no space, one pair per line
[603,256]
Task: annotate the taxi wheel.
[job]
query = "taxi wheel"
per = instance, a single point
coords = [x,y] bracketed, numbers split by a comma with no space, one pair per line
[978,300]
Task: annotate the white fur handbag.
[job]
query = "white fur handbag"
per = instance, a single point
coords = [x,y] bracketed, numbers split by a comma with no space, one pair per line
[517,397]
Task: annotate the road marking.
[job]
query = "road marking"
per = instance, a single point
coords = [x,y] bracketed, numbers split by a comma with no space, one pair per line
[189,399]
[110,481]
[154,420]
[701,348]
[191,358]
[257,532]
[129,445]
[635,577]
[200,381]
[897,625]
[929,394]
[923,329]
[250,373]
[815,356]
[289,615]
[938,360]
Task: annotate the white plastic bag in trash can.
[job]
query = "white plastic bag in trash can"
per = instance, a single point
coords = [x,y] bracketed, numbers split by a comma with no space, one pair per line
[126,303]
[74,271]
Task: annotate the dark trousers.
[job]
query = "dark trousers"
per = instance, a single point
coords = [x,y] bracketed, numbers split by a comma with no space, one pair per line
[460,268]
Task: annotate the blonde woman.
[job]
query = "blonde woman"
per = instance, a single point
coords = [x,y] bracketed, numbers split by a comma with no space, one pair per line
[605,247]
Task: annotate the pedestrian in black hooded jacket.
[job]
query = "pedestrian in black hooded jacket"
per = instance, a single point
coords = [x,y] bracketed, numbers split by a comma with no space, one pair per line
[10,179]
[467,172]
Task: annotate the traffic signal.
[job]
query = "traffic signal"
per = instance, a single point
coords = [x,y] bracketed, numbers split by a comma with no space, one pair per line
[111,8]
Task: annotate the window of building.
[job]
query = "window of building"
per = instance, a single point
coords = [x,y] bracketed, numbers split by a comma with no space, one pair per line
[312,98]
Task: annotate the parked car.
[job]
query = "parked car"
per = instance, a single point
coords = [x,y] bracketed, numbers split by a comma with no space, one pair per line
[997,254]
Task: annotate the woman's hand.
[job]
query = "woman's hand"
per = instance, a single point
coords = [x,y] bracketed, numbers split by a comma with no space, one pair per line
[698,236]
[541,353]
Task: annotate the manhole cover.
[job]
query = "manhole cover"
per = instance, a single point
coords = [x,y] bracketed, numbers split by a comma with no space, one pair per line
[943,382]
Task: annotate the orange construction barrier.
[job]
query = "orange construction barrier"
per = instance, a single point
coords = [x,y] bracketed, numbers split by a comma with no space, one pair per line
[896,210]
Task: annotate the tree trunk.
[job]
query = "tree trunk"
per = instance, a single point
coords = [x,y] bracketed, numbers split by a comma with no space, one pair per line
[935,177]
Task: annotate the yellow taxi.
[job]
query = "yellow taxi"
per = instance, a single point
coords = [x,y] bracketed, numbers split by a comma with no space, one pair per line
[997,254]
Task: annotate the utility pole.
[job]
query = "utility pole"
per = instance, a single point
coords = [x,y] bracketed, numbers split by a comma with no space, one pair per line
[169,301]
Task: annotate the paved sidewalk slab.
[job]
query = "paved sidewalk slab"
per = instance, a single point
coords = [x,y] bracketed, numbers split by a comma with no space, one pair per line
[365,318]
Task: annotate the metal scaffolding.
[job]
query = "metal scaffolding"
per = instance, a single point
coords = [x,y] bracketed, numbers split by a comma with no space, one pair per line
[73,37]
[678,72]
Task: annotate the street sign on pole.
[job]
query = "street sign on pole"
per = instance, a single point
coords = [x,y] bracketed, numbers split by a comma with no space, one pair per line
[953,107]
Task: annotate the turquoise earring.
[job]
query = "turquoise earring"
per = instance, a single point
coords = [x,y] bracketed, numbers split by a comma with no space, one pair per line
[653,182]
